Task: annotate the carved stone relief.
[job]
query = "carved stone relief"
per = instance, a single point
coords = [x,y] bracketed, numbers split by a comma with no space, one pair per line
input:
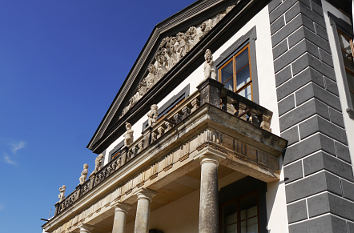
[170,51]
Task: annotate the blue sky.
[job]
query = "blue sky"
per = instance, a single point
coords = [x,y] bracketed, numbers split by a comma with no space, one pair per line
[61,64]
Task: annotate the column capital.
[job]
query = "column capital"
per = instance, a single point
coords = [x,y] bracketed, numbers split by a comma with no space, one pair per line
[145,193]
[120,206]
[86,228]
[209,155]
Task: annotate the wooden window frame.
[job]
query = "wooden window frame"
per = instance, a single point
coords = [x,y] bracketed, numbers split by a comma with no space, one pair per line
[340,26]
[233,60]
[237,202]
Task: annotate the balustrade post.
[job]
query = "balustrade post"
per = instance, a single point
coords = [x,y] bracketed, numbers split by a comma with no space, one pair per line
[210,92]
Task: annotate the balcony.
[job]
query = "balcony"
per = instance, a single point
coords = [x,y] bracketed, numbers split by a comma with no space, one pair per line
[213,120]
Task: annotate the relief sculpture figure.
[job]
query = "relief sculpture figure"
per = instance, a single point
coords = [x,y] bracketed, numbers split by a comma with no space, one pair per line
[171,50]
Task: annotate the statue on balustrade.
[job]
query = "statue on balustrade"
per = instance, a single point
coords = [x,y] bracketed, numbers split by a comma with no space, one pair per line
[209,68]
[61,195]
[129,134]
[98,163]
[152,115]
[84,174]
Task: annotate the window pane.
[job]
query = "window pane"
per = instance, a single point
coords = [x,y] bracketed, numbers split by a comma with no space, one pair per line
[242,69]
[231,223]
[227,76]
[246,92]
[242,60]
[249,222]
[346,51]
[243,77]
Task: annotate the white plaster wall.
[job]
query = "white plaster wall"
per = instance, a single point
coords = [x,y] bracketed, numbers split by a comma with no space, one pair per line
[348,122]
[276,202]
[179,216]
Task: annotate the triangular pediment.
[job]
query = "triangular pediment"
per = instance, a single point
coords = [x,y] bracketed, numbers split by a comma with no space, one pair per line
[169,42]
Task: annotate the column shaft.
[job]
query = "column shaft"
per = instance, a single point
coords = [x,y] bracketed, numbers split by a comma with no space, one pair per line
[143,212]
[120,213]
[208,204]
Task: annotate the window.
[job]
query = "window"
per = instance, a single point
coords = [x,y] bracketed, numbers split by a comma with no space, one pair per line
[171,103]
[343,35]
[237,68]
[236,75]
[115,153]
[346,46]
[241,215]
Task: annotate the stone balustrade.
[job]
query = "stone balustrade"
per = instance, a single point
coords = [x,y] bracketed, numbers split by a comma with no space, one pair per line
[209,92]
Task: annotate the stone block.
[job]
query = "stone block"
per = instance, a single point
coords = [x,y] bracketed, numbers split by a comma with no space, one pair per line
[336,117]
[323,224]
[326,57]
[300,7]
[297,211]
[329,203]
[295,52]
[350,227]
[281,8]
[280,49]
[318,124]
[292,135]
[304,32]
[313,90]
[342,151]
[285,31]
[331,86]
[321,160]
[309,186]
[273,4]
[348,190]
[298,81]
[321,31]
[283,76]
[293,172]
[303,112]
[309,60]
[286,104]
[277,24]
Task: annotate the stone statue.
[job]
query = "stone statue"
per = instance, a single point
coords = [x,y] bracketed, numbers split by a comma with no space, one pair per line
[152,115]
[209,68]
[129,134]
[84,174]
[98,163]
[61,195]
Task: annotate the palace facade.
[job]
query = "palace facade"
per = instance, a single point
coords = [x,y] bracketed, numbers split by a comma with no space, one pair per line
[237,117]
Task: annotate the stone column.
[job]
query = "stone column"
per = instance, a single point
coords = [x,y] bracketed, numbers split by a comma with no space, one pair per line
[143,211]
[208,203]
[84,228]
[120,213]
